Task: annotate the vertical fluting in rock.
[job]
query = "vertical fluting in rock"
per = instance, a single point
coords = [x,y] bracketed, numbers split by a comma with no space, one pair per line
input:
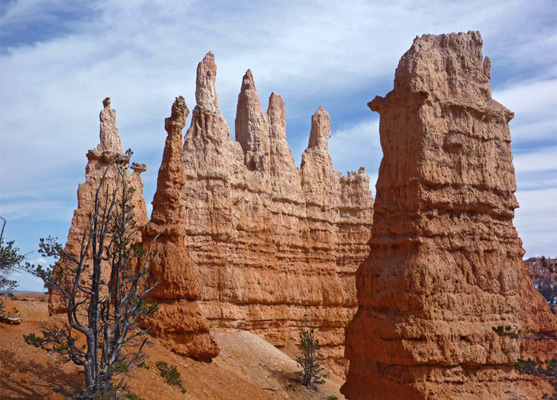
[266,252]
[108,150]
[179,322]
[445,265]
[251,126]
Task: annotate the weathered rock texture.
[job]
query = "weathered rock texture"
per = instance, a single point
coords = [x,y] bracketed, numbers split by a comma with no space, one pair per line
[445,265]
[108,150]
[271,242]
[179,321]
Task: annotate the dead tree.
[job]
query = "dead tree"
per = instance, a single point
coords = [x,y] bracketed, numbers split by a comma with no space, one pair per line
[104,314]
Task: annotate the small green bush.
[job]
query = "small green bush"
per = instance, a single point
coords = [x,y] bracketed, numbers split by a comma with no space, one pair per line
[143,365]
[132,396]
[34,340]
[171,374]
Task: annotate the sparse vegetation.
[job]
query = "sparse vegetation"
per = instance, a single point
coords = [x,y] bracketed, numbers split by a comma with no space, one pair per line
[143,365]
[10,259]
[171,375]
[547,369]
[34,340]
[104,314]
[310,361]
[132,396]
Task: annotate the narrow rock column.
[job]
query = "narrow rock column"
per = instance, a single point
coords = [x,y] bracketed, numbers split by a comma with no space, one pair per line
[179,321]
[252,131]
[109,137]
[317,166]
[282,168]
[445,266]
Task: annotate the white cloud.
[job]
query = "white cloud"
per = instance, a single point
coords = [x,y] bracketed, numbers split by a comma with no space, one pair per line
[144,53]
[535,221]
[357,145]
[544,159]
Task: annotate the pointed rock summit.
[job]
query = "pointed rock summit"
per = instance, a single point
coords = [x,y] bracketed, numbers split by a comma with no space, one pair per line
[205,93]
[320,130]
[445,267]
[252,130]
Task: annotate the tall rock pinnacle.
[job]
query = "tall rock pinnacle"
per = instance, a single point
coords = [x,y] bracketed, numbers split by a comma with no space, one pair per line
[320,129]
[98,161]
[445,266]
[252,131]
[282,166]
[179,322]
[205,93]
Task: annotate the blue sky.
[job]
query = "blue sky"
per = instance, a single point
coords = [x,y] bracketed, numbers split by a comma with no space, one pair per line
[59,59]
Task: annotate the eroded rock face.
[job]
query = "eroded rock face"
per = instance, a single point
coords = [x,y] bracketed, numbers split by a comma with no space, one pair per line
[179,322]
[445,265]
[108,150]
[271,242]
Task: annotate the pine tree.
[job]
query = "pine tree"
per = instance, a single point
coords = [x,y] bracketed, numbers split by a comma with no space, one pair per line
[310,362]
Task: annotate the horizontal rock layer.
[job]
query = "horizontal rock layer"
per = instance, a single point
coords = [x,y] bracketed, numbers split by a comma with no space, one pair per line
[445,265]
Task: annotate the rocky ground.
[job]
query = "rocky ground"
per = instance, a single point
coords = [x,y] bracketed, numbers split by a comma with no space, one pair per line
[247,367]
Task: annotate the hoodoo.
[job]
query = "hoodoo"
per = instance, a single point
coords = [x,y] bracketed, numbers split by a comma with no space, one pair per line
[271,242]
[445,266]
[179,321]
[108,150]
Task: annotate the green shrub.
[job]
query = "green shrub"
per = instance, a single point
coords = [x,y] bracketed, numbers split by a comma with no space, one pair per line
[34,340]
[132,396]
[171,375]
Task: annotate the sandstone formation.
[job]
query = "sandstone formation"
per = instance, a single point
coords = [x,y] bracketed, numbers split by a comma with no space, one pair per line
[445,265]
[108,150]
[179,321]
[271,242]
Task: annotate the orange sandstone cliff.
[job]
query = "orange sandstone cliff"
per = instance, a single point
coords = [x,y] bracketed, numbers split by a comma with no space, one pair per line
[445,265]
[109,149]
[179,321]
[271,242]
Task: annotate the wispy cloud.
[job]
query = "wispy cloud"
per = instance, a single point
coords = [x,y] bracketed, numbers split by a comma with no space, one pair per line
[59,59]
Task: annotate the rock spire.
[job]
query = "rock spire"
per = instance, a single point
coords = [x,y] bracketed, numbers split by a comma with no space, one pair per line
[445,265]
[179,321]
[109,149]
[252,131]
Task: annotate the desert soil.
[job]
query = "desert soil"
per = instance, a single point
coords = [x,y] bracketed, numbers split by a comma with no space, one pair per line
[247,368]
